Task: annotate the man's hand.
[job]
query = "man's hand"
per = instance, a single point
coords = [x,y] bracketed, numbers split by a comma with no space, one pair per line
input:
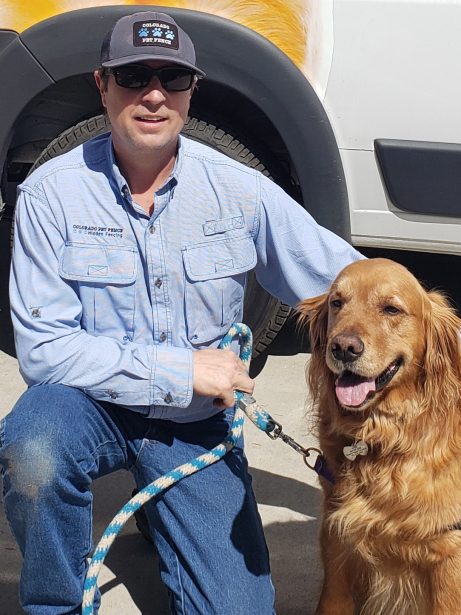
[218,373]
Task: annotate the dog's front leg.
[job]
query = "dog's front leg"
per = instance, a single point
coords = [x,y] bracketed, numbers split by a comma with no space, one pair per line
[336,597]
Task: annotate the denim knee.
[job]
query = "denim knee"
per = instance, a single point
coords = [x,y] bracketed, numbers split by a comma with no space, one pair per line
[35,438]
[47,499]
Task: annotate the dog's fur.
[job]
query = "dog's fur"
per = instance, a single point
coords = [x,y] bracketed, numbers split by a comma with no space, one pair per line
[387,535]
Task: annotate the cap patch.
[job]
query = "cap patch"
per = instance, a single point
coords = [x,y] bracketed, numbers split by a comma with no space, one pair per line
[155,33]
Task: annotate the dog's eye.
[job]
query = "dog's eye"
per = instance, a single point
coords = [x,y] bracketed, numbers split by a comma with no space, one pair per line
[392,310]
[336,303]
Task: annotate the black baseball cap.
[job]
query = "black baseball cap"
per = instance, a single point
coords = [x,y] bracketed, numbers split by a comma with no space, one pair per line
[148,36]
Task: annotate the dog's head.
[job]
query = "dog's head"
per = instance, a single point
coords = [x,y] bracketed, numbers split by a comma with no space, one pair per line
[378,331]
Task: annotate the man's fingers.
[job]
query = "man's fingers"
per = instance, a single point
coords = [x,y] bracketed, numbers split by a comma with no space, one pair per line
[246,386]
[218,373]
[226,401]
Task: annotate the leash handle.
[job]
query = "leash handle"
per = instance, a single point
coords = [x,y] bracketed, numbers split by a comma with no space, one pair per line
[243,401]
[245,336]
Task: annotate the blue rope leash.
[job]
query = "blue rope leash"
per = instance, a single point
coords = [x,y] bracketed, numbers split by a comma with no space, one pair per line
[244,404]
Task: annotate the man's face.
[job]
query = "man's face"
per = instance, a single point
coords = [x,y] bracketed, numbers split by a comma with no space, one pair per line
[145,120]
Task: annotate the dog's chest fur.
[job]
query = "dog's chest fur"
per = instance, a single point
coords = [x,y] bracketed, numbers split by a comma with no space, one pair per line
[393,509]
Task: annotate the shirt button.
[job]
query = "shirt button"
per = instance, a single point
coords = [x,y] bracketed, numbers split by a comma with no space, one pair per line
[158,282]
[113,394]
[168,399]
[162,336]
[152,229]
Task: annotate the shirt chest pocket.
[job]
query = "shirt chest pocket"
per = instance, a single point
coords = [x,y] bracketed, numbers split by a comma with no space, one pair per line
[104,277]
[215,275]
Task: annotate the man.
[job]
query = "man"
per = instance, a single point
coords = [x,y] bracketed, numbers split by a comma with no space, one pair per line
[129,265]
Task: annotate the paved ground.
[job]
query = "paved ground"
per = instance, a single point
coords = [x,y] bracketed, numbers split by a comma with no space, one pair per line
[287,493]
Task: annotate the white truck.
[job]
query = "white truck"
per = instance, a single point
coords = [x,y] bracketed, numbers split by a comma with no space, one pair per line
[353,106]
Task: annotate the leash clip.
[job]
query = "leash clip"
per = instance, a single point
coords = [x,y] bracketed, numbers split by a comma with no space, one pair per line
[320,465]
[308,451]
[277,432]
[274,430]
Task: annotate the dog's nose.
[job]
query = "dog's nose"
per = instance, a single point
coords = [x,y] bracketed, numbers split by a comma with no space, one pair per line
[347,348]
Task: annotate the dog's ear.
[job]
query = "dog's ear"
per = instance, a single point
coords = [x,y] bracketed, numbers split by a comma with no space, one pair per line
[442,360]
[314,314]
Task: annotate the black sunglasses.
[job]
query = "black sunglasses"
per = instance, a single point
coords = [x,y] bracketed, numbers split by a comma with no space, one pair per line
[137,76]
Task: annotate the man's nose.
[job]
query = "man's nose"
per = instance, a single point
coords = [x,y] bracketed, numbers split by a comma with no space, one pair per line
[154,91]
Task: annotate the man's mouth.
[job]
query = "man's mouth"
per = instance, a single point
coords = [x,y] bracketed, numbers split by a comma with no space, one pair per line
[353,390]
[150,119]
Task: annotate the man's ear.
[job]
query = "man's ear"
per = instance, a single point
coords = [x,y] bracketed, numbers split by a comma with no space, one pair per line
[101,85]
[194,86]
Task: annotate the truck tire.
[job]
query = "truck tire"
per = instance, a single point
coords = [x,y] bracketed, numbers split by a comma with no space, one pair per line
[264,314]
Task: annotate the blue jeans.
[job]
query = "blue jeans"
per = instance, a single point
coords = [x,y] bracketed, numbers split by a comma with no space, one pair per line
[207,530]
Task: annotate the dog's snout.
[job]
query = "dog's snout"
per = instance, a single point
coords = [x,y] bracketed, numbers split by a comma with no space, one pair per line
[347,348]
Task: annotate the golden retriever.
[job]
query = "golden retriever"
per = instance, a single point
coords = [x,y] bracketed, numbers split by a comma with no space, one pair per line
[385,376]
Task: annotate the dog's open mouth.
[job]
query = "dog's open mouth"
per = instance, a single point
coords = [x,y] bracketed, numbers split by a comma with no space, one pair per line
[353,390]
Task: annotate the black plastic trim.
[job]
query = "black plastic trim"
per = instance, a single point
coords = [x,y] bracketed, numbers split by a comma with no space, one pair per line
[22,78]
[243,60]
[7,37]
[421,177]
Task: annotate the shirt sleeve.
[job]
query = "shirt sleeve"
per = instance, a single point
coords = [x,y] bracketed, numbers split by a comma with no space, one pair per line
[297,258]
[51,345]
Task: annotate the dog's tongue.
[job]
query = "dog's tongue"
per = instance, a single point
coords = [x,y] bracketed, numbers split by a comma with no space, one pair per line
[352,390]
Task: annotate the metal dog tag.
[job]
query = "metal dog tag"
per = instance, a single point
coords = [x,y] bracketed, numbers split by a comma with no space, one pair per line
[358,448]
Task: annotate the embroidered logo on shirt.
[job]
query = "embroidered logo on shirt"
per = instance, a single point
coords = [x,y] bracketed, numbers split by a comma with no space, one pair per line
[155,33]
[97,231]
[213,227]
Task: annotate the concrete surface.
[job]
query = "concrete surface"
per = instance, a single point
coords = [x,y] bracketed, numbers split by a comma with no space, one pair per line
[287,493]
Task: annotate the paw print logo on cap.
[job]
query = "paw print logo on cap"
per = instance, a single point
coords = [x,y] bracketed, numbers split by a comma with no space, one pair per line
[158,33]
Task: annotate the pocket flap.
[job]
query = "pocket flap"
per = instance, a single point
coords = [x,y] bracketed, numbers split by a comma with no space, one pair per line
[219,258]
[98,263]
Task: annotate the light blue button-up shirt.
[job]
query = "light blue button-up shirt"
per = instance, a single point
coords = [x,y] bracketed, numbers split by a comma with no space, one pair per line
[114,302]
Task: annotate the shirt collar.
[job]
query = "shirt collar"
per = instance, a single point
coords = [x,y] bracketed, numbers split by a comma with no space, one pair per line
[121,182]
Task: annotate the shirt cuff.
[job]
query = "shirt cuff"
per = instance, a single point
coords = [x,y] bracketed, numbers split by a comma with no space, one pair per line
[172,377]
